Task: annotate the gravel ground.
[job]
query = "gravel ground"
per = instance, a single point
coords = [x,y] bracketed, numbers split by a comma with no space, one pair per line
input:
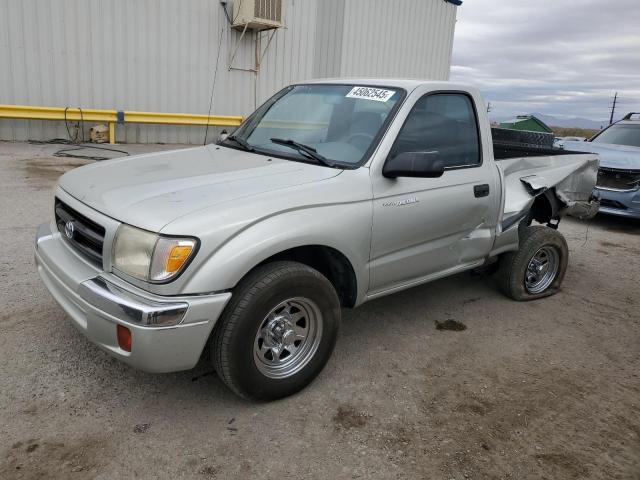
[547,389]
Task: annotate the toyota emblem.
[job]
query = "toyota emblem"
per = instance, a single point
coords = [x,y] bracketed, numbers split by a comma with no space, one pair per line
[69,229]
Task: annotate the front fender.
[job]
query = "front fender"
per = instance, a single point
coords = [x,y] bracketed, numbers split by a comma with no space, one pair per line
[345,227]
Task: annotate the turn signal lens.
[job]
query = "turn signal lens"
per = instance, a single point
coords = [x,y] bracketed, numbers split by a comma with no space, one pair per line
[170,257]
[124,338]
[178,257]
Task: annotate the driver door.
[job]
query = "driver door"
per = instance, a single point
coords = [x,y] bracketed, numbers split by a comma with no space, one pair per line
[426,227]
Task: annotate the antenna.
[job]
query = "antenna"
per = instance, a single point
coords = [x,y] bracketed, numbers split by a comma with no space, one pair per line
[613,107]
[213,86]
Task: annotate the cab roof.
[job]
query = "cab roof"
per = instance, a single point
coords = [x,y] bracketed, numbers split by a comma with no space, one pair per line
[408,84]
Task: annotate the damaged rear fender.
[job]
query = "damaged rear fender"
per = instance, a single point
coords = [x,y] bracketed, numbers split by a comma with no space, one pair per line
[566,183]
[545,188]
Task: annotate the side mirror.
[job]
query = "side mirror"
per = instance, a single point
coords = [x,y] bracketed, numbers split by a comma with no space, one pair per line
[223,136]
[414,164]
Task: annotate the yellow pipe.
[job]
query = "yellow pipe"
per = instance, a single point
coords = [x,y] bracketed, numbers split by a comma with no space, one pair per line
[111,117]
[290,124]
[181,119]
[112,132]
[55,113]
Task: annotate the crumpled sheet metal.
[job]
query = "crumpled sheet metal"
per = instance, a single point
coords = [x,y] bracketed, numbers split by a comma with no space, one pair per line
[572,176]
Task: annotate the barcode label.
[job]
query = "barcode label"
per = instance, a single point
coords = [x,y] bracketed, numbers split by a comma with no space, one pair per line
[368,93]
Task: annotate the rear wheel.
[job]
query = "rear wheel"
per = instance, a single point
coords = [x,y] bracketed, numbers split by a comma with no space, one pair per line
[537,268]
[277,332]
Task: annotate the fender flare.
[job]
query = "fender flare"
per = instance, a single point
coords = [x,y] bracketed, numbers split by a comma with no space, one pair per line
[224,267]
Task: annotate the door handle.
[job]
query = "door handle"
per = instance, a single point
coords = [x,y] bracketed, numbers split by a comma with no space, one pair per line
[481,190]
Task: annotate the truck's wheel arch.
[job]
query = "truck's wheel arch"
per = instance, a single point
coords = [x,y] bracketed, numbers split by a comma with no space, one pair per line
[545,207]
[330,262]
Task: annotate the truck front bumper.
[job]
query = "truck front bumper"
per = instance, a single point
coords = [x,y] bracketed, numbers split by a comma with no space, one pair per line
[168,333]
[618,202]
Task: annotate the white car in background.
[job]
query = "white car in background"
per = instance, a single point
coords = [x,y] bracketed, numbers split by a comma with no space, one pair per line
[619,174]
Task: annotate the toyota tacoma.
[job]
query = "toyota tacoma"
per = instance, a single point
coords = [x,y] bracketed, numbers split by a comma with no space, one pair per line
[330,194]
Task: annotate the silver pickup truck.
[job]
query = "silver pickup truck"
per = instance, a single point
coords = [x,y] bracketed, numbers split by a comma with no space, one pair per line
[330,194]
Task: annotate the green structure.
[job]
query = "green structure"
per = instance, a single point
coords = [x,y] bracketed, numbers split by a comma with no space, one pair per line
[529,123]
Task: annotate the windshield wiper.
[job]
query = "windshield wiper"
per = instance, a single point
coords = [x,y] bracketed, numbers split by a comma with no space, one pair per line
[243,143]
[306,149]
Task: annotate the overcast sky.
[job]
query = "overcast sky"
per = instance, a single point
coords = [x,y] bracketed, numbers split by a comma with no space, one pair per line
[550,56]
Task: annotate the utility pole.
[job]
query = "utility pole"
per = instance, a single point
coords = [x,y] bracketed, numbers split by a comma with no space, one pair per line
[613,107]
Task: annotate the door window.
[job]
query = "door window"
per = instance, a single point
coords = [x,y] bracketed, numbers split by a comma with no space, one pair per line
[445,123]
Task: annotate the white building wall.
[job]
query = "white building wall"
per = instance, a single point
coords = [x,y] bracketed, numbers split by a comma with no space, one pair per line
[159,55]
[402,38]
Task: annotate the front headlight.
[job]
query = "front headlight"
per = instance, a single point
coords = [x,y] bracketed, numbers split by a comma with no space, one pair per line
[150,257]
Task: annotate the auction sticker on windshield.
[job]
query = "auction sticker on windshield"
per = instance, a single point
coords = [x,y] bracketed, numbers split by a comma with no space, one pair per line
[368,93]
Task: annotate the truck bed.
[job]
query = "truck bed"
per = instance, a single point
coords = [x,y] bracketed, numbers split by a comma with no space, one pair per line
[508,143]
[569,176]
[506,150]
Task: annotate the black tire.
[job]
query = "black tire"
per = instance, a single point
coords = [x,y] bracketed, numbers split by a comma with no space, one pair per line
[232,343]
[512,271]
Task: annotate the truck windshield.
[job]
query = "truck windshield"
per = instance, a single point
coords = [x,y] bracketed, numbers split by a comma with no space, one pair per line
[334,125]
[620,134]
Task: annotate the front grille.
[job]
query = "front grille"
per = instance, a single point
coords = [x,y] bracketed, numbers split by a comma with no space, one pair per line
[618,179]
[85,235]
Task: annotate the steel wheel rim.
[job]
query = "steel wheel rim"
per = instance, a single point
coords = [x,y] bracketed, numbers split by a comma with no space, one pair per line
[287,338]
[541,270]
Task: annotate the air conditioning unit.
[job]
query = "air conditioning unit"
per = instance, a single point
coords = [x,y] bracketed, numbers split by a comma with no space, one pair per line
[257,14]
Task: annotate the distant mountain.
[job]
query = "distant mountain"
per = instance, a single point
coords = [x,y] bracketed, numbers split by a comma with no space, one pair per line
[567,122]
[571,122]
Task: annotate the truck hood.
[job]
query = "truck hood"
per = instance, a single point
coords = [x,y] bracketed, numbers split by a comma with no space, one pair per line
[611,156]
[152,190]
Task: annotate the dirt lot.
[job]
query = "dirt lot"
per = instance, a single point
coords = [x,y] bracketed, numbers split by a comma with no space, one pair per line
[549,389]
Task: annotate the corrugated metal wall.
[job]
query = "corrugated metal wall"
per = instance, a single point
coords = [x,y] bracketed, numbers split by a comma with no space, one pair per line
[398,38]
[159,55]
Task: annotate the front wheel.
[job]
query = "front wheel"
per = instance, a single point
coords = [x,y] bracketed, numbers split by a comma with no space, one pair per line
[277,332]
[537,268]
